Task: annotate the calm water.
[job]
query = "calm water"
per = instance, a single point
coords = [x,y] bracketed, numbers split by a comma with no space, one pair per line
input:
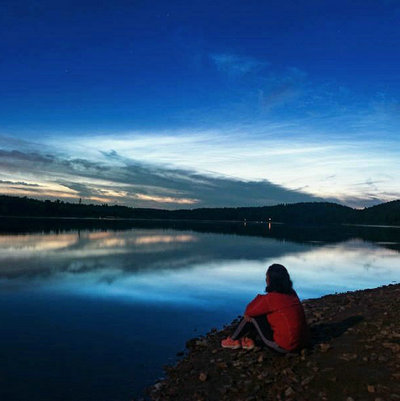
[94,314]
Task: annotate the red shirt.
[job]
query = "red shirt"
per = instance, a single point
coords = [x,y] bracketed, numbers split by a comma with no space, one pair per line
[285,314]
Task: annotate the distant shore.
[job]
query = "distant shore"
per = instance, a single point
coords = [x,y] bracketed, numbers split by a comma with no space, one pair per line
[293,213]
[354,355]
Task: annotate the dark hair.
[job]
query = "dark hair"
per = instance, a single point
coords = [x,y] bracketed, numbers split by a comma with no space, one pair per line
[279,280]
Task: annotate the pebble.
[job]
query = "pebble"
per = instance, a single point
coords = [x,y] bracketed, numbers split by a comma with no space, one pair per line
[222,365]
[307,380]
[324,347]
[289,391]
[394,347]
[157,386]
[371,388]
[203,376]
[348,356]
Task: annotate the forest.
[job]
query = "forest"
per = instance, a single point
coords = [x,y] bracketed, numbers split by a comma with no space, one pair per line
[297,213]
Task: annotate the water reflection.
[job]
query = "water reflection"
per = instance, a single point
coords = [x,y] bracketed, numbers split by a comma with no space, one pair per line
[173,267]
[144,292]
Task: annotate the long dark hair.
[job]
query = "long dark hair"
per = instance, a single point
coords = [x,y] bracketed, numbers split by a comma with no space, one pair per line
[279,280]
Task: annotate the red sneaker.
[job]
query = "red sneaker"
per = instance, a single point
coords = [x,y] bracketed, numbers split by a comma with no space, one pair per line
[247,343]
[229,343]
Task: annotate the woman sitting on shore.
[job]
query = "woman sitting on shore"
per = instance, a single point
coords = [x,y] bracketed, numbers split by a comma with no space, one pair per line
[278,316]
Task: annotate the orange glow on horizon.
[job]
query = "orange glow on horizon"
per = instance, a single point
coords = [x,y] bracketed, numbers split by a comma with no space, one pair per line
[167,199]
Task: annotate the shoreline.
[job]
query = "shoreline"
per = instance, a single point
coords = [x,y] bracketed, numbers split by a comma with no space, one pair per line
[176,220]
[354,355]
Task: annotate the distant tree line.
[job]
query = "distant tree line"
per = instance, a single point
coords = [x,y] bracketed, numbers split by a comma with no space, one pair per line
[298,213]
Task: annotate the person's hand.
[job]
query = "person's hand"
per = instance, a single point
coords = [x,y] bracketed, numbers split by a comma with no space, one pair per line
[247,318]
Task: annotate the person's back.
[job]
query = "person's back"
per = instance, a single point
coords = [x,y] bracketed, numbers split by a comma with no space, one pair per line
[277,316]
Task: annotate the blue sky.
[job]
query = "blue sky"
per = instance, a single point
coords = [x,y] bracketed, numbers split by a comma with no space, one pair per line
[190,104]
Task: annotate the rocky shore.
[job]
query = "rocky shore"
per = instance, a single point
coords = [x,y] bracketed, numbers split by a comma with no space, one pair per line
[354,355]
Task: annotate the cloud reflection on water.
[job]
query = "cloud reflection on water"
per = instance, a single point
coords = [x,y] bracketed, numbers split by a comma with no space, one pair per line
[172,267]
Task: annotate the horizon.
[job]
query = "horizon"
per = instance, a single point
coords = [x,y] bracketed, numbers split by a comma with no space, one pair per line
[84,203]
[222,104]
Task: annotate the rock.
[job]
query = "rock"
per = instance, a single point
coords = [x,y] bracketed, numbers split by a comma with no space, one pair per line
[307,380]
[324,347]
[260,358]
[394,347]
[349,399]
[222,365]
[371,388]
[348,356]
[203,376]
[289,392]
[157,386]
[262,375]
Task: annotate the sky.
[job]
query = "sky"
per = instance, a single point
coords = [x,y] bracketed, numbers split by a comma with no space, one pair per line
[177,104]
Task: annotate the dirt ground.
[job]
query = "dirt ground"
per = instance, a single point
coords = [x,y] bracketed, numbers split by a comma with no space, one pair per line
[354,355]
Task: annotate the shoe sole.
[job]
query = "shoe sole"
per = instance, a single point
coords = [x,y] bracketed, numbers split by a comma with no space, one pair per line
[249,348]
[231,346]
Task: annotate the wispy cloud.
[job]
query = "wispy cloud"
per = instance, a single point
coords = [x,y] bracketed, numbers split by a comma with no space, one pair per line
[261,163]
[237,65]
[291,155]
[18,183]
[136,183]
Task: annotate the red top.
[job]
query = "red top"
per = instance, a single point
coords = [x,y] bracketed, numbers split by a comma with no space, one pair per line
[285,314]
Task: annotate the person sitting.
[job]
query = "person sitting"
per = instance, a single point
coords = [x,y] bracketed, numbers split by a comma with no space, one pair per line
[278,316]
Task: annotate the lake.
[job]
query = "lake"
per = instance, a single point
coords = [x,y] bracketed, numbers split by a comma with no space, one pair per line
[92,310]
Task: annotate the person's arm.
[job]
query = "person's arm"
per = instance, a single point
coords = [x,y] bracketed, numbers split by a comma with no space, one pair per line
[258,306]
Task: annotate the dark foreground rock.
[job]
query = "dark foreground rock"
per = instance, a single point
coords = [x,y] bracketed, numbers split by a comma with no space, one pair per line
[354,355]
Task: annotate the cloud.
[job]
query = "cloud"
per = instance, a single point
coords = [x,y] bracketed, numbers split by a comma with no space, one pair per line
[144,185]
[253,164]
[236,65]
[281,88]
[19,183]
